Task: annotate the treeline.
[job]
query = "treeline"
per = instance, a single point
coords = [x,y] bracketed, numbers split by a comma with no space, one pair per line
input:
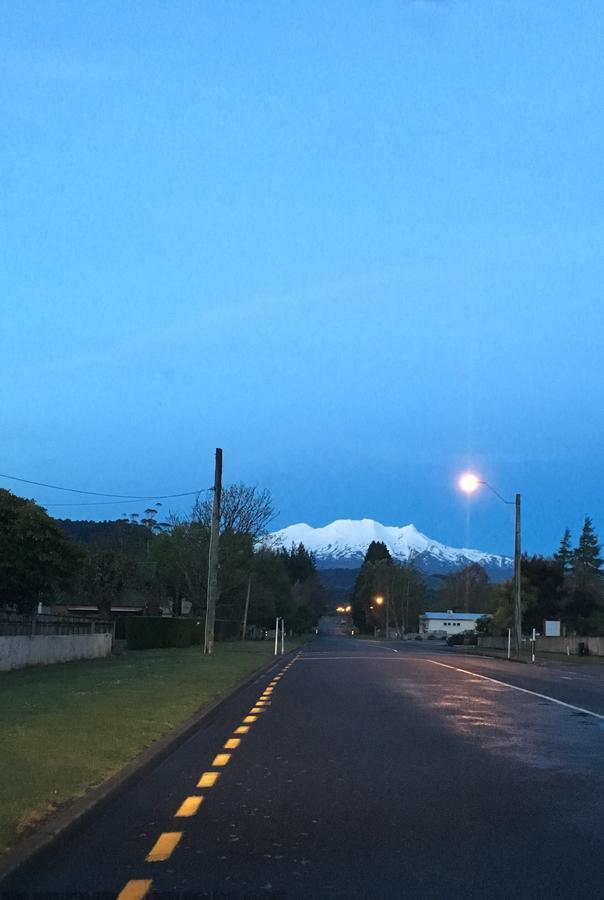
[142,561]
[568,586]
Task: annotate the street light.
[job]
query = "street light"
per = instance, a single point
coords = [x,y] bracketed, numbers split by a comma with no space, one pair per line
[469,482]
[380,600]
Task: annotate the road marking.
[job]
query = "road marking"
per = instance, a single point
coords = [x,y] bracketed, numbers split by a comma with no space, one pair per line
[249,719]
[257,709]
[164,846]
[189,807]
[135,890]
[232,743]
[221,759]
[515,687]
[242,729]
[208,779]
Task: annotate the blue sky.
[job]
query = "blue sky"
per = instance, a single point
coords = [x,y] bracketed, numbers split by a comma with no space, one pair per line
[358,245]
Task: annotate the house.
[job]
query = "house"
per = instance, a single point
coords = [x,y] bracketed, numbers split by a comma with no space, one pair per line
[448,622]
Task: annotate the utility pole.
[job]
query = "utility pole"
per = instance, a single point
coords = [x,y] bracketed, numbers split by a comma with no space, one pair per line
[247,606]
[208,646]
[387,606]
[517,582]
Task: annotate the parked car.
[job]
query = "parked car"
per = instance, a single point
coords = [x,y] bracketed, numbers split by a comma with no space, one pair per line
[455,639]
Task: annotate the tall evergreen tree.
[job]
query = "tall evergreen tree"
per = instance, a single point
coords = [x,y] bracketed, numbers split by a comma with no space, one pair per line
[586,574]
[370,581]
[586,558]
[564,554]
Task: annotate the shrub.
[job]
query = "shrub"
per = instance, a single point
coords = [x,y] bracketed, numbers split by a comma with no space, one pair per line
[156,632]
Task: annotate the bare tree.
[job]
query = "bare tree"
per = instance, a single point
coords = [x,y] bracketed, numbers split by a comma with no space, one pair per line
[244,510]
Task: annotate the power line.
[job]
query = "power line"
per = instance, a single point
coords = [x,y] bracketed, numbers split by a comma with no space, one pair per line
[126,499]
[56,487]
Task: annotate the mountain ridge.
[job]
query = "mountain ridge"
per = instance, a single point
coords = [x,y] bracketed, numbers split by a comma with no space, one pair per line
[344,542]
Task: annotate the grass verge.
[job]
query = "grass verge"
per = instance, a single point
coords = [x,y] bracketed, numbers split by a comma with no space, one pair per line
[68,727]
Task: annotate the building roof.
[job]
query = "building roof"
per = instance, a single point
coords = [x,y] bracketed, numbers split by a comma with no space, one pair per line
[444,615]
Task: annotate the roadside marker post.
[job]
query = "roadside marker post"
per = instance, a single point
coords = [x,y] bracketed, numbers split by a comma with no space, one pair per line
[509,642]
[276,635]
[533,639]
[282,636]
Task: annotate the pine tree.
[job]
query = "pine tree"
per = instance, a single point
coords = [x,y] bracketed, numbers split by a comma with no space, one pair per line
[564,555]
[586,574]
[371,580]
[586,558]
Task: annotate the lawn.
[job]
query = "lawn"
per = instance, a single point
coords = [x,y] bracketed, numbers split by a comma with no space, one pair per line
[68,727]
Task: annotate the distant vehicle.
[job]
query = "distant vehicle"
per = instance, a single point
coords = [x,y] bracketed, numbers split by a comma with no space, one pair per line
[455,639]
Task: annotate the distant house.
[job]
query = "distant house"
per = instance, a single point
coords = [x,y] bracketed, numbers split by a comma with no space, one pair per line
[448,622]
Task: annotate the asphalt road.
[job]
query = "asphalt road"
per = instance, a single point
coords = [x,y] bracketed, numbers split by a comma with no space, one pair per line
[368,771]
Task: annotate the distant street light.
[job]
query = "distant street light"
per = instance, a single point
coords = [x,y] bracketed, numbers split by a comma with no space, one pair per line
[469,482]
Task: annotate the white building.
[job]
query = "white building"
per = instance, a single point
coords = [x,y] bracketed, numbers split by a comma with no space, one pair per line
[448,622]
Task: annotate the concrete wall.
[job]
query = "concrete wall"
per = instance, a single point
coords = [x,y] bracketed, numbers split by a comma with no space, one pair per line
[595,645]
[18,651]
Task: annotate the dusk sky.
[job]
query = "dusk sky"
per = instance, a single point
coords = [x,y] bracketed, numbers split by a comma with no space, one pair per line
[357,245]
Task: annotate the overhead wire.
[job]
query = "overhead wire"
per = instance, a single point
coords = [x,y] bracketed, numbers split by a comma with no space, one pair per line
[118,498]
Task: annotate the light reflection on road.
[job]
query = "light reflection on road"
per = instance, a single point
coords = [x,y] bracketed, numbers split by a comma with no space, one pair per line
[540,734]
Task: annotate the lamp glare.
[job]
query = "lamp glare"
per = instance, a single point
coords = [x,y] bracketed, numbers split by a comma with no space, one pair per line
[469,482]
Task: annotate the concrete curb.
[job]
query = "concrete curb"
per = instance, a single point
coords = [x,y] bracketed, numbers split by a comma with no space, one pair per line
[75,813]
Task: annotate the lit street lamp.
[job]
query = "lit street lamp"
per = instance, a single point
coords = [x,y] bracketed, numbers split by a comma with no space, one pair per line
[469,483]
[379,600]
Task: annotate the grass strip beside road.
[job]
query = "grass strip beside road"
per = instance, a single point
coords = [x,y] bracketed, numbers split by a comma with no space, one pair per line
[68,727]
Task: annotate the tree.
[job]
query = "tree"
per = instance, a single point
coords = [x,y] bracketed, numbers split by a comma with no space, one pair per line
[468,589]
[542,584]
[36,559]
[372,580]
[408,596]
[564,554]
[182,562]
[243,509]
[104,577]
[307,591]
[586,574]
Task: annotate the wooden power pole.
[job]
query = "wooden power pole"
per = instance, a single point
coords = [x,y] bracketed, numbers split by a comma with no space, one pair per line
[247,606]
[208,646]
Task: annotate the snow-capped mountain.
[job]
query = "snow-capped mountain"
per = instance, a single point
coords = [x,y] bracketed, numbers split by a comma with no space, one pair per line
[343,544]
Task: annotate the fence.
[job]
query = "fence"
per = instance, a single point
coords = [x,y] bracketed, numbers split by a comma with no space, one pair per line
[43,639]
[566,645]
[44,623]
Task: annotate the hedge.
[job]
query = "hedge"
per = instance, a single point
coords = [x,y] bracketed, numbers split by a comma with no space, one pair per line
[156,632]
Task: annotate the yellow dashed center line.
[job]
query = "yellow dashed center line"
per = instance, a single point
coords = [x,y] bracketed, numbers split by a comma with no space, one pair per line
[208,779]
[135,890]
[221,759]
[189,807]
[167,842]
[164,846]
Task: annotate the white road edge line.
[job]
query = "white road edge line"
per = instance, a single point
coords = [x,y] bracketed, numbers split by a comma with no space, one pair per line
[515,687]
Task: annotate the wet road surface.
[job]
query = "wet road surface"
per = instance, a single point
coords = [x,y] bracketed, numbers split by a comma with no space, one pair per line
[362,770]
